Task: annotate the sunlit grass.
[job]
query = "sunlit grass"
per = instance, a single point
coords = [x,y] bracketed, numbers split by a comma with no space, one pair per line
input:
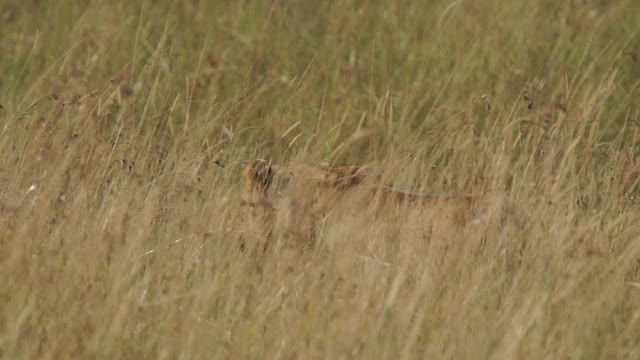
[125,127]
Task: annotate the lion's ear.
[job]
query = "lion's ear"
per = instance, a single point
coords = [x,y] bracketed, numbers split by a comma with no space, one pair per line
[259,174]
[326,164]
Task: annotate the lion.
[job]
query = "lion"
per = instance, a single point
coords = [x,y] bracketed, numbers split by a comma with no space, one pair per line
[264,181]
[292,200]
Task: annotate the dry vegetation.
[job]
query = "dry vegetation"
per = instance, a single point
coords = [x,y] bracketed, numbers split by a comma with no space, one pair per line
[126,230]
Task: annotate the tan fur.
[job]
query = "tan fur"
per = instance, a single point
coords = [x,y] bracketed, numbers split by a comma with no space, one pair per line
[293,199]
[260,177]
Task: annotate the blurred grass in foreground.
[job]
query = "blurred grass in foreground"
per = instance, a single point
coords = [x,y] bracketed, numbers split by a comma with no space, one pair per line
[119,234]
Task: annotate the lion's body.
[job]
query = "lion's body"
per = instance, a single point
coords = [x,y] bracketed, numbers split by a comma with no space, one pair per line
[291,201]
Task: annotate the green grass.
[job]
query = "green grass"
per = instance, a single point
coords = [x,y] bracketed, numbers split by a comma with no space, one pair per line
[120,236]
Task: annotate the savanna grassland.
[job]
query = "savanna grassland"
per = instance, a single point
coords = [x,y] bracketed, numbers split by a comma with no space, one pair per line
[125,127]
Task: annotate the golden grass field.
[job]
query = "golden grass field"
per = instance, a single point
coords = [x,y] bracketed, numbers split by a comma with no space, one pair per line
[497,217]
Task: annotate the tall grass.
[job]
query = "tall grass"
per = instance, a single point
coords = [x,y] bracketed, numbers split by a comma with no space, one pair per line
[124,127]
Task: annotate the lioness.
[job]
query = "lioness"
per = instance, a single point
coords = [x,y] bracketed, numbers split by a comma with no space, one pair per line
[265,182]
[294,198]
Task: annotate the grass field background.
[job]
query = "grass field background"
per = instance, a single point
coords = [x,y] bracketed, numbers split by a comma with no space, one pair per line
[121,231]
